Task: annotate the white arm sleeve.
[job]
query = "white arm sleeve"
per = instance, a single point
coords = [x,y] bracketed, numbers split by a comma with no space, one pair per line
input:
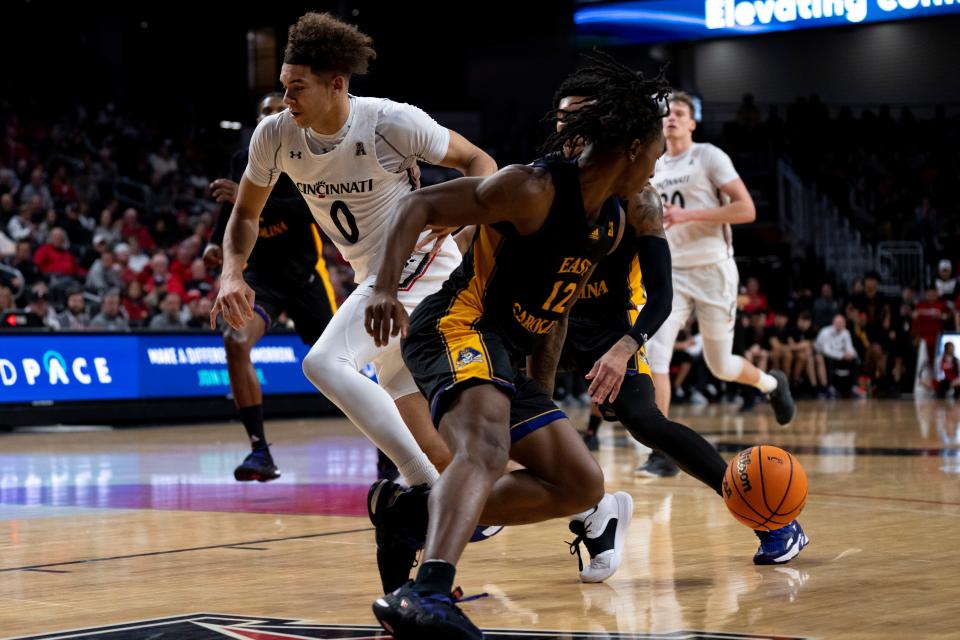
[264,162]
[719,166]
[408,134]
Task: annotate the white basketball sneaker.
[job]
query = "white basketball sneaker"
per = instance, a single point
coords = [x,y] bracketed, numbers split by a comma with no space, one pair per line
[603,530]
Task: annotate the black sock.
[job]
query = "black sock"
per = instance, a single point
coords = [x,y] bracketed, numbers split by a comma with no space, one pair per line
[252,418]
[593,424]
[435,576]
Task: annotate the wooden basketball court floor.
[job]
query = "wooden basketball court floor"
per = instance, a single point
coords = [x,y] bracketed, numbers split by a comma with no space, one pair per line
[111,528]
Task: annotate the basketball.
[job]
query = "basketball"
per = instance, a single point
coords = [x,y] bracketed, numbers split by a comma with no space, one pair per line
[765,487]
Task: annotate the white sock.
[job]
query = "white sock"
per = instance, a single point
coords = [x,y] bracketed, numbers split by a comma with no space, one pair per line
[766,383]
[419,470]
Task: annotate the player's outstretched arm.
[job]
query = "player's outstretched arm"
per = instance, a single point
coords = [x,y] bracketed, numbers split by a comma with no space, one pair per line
[235,299]
[517,194]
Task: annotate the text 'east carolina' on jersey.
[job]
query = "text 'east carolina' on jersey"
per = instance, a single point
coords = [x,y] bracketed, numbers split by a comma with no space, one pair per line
[692,180]
[615,290]
[520,286]
[353,179]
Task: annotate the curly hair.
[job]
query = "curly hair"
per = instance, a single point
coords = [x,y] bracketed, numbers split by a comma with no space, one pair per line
[623,105]
[325,43]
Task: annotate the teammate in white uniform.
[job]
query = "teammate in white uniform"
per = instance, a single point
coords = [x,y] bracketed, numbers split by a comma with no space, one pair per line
[703,196]
[349,157]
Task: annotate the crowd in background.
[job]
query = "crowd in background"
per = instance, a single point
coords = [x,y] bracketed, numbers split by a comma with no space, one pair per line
[104,219]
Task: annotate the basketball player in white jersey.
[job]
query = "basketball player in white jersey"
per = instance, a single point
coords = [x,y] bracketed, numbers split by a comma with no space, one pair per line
[348,156]
[703,196]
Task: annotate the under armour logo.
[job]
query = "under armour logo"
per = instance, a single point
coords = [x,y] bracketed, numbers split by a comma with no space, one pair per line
[360,150]
[296,154]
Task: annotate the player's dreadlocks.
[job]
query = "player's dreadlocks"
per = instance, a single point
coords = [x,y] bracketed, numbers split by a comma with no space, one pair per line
[623,105]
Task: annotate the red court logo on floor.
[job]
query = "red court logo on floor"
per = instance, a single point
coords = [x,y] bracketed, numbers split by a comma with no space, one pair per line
[210,626]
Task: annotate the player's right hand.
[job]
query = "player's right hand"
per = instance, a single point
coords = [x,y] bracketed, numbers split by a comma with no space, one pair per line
[385,317]
[213,256]
[234,301]
[224,190]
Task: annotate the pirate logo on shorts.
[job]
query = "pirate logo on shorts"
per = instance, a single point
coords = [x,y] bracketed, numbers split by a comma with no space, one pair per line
[468,355]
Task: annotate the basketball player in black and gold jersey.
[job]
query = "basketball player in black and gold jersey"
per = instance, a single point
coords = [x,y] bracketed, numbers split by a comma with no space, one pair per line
[287,273]
[542,229]
[606,333]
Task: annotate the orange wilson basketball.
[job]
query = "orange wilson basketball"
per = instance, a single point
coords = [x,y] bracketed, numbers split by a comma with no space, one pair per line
[765,487]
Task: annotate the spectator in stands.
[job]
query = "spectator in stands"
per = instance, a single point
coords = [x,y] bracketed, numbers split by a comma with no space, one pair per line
[37,187]
[836,357]
[187,250]
[199,278]
[105,273]
[929,318]
[61,187]
[107,228]
[908,302]
[946,282]
[78,225]
[131,227]
[163,162]
[800,339]
[948,372]
[825,307]
[54,258]
[39,306]
[159,281]
[754,301]
[50,221]
[75,316]
[23,262]
[21,226]
[757,353]
[871,301]
[137,260]
[201,314]
[134,305]
[111,316]
[169,317]
[776,339]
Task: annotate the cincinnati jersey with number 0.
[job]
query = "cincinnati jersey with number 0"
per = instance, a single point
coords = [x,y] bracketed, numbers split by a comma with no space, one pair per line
[344,180]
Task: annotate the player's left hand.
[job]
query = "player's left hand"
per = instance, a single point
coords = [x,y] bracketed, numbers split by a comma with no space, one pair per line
[675,214]
[607,373]
[437,235]
[224,190]
[385,317]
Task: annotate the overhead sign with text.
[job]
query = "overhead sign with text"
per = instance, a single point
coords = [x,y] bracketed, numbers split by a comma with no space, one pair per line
[651,21]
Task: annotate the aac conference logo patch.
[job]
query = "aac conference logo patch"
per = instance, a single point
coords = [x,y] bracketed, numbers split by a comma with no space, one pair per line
[210,626]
